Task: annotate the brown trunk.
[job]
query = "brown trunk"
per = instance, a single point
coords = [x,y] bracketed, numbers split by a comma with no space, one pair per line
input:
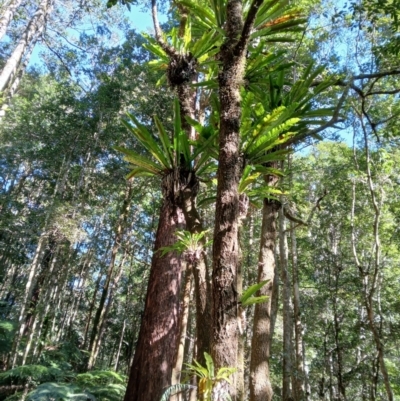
[183,322]
[200,274]
[260,384]
[158,338]
[230,166]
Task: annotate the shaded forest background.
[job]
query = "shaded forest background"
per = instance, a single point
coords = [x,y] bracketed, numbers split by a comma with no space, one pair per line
[76,237]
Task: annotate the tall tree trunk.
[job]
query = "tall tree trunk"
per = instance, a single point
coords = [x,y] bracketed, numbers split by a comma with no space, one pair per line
[183,322]
[103,317]
[299,390]
[260,384]
[232,56]
[27,298]
[8,15]
[200,273]
[287,311]
[156,348]
[29,37]
[369,274]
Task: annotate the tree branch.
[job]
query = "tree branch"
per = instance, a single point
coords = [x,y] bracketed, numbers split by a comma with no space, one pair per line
[171,52]
[247,27]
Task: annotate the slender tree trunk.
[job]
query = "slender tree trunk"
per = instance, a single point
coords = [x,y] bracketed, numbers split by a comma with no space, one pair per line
[183,322]
[28,38]
[200,274]
[104,315]
[370,278]
[121,339]
[119,232]
[299,390]
[156,349]
[27,298]
[260,384]
[8,15]
[287,312]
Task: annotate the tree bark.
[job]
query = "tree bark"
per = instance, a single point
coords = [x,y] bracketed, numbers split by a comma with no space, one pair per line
[287,312]
[29,37]
[200,274]
[158,338]
[260,384]
[7,16]
[183,322]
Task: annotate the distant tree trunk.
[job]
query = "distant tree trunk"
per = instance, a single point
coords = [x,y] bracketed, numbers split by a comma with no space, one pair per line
[299,390]
[287,312]
[8,16]
[103,317]
[260,384]
[27,298]
[156,348]
[29,37]
[369,275]
[119,232]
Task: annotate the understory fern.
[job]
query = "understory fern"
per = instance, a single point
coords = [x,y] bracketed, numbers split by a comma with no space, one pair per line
[46,383]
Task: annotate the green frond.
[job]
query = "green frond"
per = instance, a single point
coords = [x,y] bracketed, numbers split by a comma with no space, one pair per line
[175,389]
[248,298]
[143,162]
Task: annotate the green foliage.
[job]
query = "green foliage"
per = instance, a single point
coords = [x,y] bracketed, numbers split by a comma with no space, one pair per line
[36,373]
[7,330]
[175,389]
[167,155]
[248,298]
[59,392]
[55,383]
[208,379]
[187,242]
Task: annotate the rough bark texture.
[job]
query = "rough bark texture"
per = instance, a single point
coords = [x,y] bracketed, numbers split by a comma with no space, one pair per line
[260,384]
[200,274]
[158,338]
[230,165]
[183,323]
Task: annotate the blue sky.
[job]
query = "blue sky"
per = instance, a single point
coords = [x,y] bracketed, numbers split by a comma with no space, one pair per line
[139,20]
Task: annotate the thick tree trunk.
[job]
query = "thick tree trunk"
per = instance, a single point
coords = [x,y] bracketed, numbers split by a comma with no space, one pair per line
[7,16]
[260,384]
[158,338]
